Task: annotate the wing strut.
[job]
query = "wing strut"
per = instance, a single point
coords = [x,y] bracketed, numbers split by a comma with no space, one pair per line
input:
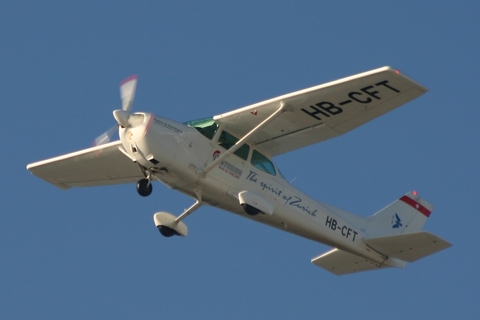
[283,108]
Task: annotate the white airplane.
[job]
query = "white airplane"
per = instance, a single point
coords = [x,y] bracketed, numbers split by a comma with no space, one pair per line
[226,162]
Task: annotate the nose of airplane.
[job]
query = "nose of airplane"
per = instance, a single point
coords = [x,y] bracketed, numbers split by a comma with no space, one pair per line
[122,117]
[127,119]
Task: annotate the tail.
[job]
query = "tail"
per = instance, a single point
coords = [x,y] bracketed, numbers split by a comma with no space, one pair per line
[395,233]
[406,215]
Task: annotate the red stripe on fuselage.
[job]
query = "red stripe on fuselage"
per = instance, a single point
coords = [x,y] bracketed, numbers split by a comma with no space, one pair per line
[416,205]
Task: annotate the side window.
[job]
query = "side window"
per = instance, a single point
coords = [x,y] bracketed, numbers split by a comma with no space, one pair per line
[261,162]
[206,126]
[227,141]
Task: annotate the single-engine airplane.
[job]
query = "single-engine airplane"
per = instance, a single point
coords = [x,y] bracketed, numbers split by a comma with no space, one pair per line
[226,162]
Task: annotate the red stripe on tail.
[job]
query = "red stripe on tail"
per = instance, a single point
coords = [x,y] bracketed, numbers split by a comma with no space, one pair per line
[416,205]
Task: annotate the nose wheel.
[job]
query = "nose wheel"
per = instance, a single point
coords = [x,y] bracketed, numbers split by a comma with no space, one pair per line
[144,187]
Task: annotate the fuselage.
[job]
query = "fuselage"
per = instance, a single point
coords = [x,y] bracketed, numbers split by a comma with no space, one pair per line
[177,152]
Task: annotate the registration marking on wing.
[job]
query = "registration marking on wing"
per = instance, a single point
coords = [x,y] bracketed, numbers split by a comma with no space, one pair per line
[364,95]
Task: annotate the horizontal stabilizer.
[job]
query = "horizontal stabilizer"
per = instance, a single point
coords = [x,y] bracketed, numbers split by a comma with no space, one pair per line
[408,247]
[341,262]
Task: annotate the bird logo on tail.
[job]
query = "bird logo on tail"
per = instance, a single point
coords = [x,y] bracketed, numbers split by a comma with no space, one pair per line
[396,222]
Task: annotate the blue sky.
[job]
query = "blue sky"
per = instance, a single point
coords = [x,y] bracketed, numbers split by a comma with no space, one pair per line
[95,253]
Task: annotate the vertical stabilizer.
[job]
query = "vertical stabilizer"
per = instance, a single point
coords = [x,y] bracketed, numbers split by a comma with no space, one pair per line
[406,215]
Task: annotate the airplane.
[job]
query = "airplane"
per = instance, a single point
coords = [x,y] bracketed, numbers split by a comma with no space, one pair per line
[225,161]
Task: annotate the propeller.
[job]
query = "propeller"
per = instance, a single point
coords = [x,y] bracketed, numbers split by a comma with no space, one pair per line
[123,116]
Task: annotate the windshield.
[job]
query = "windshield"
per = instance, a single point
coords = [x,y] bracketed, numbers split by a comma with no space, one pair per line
[206,126]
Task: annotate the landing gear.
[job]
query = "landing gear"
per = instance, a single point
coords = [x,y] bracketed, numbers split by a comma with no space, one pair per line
[250,210]
[144,187]
[169,225]
[166,231]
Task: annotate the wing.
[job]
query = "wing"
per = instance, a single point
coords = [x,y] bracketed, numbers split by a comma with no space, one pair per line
[324,111]
[97,166]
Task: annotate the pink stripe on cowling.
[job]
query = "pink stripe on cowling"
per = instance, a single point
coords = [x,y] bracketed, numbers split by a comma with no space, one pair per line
[152,117]
[134,77]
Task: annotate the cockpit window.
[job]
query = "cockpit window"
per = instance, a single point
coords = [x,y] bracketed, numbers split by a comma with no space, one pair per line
[206,126]
[261,162]
[227,141]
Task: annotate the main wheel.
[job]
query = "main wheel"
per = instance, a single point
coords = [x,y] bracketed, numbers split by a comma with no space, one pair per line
[144,187]
[250,210]
[166,231]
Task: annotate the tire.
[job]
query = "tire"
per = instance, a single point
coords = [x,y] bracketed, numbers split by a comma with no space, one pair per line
[250,210]
[144,187]
[166,231]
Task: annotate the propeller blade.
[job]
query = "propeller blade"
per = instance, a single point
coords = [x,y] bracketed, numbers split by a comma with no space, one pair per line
[106,136]
[123,117]
[127,92]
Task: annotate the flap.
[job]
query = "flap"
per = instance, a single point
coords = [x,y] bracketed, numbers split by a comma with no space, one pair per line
[97,166]
[408,247]
[324,111]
